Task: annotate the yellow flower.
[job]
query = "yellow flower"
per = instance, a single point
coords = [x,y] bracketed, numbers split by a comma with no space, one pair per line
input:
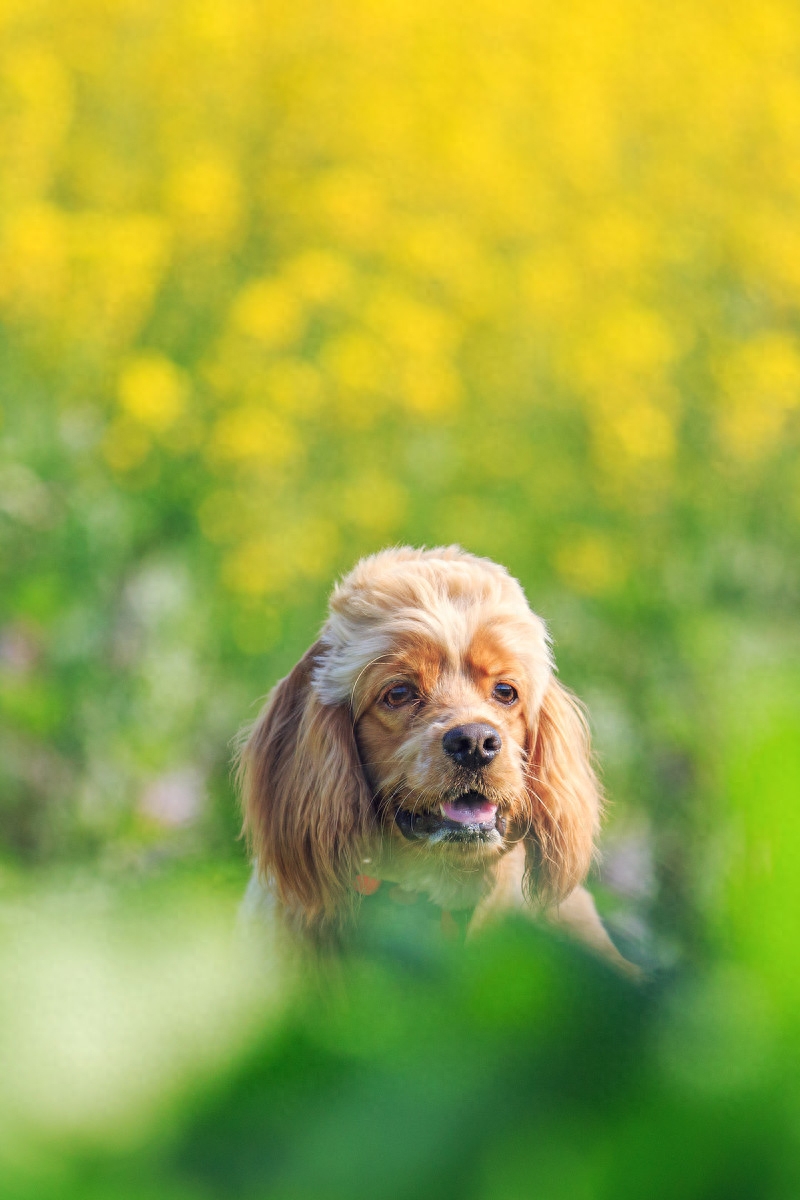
[38,107]
[34,261]
[429,388]
[356,362]
[551,287]
[629,343]
[441,252]
[643,432]
[153,390]
[359,374]
[352,207]
[320,277]
[760,383]
[617,244]
[204,197]
[117,264]
[253,433]
[269,312]
[409,326]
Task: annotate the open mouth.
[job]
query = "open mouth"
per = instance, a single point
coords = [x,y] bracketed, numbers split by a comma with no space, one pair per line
[469,818]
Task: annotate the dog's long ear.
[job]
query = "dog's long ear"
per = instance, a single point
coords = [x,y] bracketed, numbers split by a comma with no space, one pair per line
[305,798]
[564,797]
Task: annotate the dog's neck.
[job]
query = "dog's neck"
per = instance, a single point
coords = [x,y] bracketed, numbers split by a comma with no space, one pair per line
[447,883]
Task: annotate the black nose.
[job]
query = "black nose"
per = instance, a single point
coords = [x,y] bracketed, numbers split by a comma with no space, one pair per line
[472,745]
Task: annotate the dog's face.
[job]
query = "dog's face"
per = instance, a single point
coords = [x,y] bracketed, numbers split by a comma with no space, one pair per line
[443,736]
[426,716]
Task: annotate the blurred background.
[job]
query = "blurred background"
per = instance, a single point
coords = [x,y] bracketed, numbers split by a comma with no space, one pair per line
[284,283]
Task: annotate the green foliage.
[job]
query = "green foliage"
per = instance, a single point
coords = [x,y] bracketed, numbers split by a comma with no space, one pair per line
[516,1066]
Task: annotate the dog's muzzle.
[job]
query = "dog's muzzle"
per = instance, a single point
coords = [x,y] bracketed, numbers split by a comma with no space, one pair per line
[470,818]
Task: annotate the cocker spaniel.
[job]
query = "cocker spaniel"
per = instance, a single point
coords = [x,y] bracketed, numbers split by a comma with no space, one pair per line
[424,742]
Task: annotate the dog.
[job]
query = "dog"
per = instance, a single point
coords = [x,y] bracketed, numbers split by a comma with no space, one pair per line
[423,744]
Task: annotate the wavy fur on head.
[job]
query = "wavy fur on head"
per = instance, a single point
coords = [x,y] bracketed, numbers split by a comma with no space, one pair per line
[349,758]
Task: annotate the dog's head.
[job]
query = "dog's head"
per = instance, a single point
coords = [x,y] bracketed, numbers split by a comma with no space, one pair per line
[427,713]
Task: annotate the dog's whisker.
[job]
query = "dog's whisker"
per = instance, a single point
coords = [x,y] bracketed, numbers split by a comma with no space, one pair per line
[373,663]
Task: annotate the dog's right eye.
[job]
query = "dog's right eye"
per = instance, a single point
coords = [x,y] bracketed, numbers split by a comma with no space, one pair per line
[398,694]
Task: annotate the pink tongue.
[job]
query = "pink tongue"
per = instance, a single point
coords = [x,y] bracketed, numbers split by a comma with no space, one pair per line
[470,814]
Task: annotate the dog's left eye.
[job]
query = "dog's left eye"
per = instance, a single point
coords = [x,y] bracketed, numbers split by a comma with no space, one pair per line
[398,693]
[505,693]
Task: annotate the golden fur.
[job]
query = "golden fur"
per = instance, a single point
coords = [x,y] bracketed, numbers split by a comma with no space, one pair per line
[334,771]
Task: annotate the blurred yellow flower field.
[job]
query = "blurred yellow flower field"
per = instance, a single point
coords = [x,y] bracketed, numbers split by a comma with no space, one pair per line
[284,283]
